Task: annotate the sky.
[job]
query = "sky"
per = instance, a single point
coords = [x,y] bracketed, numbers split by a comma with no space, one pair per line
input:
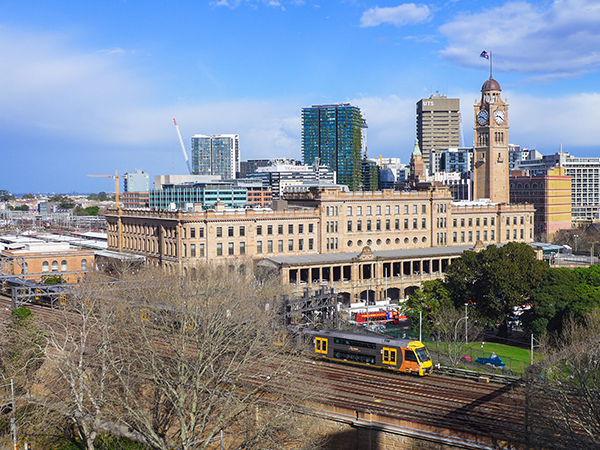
[90,87]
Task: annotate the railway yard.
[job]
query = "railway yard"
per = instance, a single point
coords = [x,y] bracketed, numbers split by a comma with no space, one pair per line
[436,408]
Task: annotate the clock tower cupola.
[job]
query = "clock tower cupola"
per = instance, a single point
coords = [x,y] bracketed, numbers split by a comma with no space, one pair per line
[491,170]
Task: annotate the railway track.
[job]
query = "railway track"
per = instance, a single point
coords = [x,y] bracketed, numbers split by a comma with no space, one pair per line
[464,406]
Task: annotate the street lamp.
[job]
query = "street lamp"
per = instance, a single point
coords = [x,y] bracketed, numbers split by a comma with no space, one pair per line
[576,236]
[466,326]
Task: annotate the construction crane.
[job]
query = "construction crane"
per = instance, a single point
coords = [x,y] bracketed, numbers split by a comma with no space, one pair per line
[187,161]
[116,176]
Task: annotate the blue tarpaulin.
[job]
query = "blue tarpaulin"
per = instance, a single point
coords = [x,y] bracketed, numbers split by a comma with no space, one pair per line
[494,360]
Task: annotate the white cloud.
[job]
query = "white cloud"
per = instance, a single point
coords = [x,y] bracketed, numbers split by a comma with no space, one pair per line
[562,38]
[232,4]
[405,14]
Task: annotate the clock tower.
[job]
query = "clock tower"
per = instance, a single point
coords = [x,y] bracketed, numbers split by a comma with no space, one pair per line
[490,178]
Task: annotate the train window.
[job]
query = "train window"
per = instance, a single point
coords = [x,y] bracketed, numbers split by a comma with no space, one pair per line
[409,355]
[422,354]
[320,345]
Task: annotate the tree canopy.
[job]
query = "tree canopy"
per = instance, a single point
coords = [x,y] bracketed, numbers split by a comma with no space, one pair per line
[495,280]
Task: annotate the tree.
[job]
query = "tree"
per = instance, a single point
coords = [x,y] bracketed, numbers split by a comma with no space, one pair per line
[101,196]
[196,357]
[78,378]
[6,196]
[28,196]
[564,390]
[441,319]
[495,280]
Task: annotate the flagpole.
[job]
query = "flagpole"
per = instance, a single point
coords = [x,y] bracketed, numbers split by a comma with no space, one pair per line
[490,64]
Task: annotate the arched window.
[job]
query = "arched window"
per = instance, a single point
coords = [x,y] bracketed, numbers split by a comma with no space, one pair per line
[45,266]
[54,266]
[63,265]
[84,264]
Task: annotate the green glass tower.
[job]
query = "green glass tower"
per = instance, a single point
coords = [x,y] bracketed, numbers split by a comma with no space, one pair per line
[334,134]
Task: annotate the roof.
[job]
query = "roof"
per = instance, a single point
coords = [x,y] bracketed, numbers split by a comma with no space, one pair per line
[490,85]
[377,254]
[383,340]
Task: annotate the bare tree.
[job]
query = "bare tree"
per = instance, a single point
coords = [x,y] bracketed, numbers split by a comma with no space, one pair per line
[77,376]
[565,388]
[195,357]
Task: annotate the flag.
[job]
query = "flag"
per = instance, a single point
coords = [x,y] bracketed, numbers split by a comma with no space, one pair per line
[485,54]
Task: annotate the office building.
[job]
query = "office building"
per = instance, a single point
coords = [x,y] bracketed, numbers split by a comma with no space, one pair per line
[334,135]
[250,166]
[281,175]
[451,160]
[136,181]
[550,194]
[216,155]
[438,124]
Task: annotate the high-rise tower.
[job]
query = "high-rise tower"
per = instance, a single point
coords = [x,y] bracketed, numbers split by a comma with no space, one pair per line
[216,155]
[491,145]
[335,135]
[438,124]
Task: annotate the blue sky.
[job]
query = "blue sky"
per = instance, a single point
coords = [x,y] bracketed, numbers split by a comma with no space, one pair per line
[92,87]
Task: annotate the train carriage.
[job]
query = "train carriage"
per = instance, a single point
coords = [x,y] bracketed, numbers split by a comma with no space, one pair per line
[393,354]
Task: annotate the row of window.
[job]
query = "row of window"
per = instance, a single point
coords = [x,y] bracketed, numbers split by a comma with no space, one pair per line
[280,228]
[388,225]
[378,209]
[63,266]
[387,241]
[280,245]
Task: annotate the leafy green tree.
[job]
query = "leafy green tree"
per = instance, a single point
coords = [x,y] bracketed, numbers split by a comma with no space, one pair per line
[6,196]
[19,208]
[101,196]
[495,280]
[28,196]
[53,279]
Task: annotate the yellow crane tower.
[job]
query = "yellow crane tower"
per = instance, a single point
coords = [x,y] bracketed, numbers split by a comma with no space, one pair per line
[116,176]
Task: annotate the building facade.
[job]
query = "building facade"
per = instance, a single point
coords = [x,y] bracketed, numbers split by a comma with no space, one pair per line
[585,181]
[216,155]
[136,181]
[438,124]
[334,135]
[550,194]
[318,221]
[277,177]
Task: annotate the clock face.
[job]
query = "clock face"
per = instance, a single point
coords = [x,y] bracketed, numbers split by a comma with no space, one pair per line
[482,117]
[499,116]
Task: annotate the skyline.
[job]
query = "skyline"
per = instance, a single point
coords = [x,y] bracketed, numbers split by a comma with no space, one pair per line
[90,89]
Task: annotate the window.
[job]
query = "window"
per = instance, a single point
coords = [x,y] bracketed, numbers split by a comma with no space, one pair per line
[423,223]
[359,210]
[508,221]
[388,210]
[485,235]
[311,243]
[219,249]
[291,245]
[311,227]
[522,233]
[242,231]
[492,235]
[415,224]
[485,221]
[397,209]
[423,209]
[279,229]
[462,236]
[397,224]
[454,237]
[192,250]
[406,224]
[280,245]
[269,230]
[54,266]
[349,212]
[522,220]
[269,246]
[378,210]
[378,225]
[230,231]
[201,250]
[83,265]
[388,224]
[454,223]
[258,246]
[470,236]
[291,228]
[201,232]
[405,209]
[462,223]
[492,221]
[478,235]
[368,225]
[46,266]
[415,209]
[300,228]
[359,225]
[259,230]
[192,232]
[515,220]
[470,222]
[369,211]
[349,228]
[477,222]
[230,247]
[507,235]
[242,248]
[300,244]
